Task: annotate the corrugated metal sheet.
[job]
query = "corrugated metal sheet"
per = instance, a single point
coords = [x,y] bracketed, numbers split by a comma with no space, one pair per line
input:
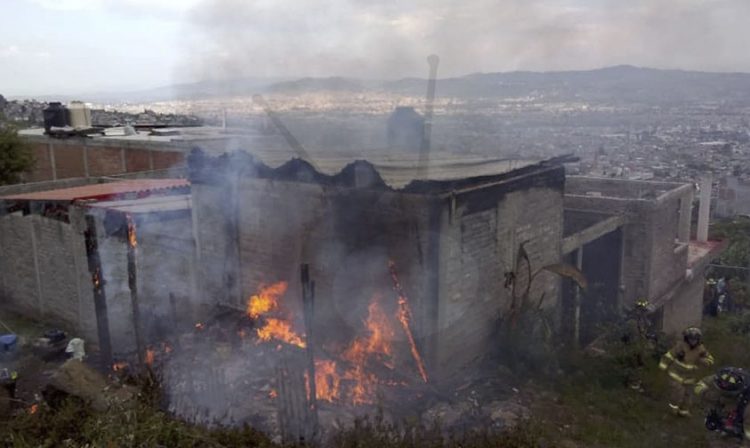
[398,169]
[153,204]
[104,190]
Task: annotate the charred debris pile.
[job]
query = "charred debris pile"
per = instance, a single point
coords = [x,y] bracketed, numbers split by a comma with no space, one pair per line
[264,368]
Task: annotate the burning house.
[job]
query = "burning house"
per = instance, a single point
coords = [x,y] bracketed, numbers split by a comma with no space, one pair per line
[452,238]
[403,282]
[287,294]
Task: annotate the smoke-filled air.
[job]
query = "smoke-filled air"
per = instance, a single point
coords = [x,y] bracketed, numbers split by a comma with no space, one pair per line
[374,224]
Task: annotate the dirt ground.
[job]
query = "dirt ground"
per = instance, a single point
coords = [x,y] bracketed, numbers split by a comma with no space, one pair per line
[34,371]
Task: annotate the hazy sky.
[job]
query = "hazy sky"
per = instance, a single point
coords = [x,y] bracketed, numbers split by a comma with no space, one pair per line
[72,46]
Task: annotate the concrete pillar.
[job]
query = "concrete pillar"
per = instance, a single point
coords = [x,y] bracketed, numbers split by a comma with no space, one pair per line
[123,164]
[704,209]
[86,160]
[37,275]
[578,297]
[686,213]
[52,162]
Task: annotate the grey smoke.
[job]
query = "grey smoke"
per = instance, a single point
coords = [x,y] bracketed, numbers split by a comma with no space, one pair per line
[386,39]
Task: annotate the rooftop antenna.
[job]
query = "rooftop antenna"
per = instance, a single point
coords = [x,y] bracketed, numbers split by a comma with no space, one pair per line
[424,151]
[288,136]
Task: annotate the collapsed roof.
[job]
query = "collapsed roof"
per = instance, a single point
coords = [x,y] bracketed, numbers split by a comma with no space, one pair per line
[442,175]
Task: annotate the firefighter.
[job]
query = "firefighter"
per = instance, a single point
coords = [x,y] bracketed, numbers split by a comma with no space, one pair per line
[682,363]
[726,395]
[639,341]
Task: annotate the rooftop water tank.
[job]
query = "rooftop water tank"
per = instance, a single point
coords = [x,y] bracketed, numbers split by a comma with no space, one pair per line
[80,115]
[55,115]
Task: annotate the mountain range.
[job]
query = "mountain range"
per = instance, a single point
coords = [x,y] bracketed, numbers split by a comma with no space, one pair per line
[617,84]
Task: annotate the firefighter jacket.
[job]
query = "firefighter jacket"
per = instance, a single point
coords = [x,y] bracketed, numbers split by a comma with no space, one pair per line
[682,362]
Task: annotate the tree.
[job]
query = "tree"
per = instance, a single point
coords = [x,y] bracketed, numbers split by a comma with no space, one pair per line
[15,156]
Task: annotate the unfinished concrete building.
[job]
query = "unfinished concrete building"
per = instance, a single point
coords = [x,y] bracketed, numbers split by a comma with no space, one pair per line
[633,239]
[453,236]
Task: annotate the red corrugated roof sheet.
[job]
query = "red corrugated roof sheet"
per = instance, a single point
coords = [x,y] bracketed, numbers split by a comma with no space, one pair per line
[98,191]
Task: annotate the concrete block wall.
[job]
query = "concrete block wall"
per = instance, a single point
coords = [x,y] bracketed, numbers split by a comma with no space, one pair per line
[137,160]
[20,284]
[275,220]
[346,235]
[43,168]
[617,188]
[685,309]
[82,157]
[451,255]
[165,265]
[62,264]
[477,249]
[87,322]
[8,190]
[211,216]
[668,257]
[43,272]
[653,261]
[105,161]
[638,240]
[70,164]
[113,255]
[282,225]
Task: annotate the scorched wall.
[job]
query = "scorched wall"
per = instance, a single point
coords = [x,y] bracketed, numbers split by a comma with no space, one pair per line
[452,242]
[481,233]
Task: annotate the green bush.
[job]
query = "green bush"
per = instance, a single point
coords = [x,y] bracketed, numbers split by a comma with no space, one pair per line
[15,156]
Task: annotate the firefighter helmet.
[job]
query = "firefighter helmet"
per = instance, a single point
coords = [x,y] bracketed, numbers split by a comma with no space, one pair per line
[730,379]
[693,336]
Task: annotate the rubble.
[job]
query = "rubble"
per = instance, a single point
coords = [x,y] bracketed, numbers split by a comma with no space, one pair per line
[506,414]
[75,378]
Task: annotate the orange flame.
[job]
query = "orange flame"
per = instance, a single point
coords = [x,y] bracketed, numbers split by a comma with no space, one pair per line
[404,316]
[118,366]
[266,300]
[273,394]
[34,408]
[200,326]
[375,346]
[327,381]
[149,359]
[132,239]
[280,330]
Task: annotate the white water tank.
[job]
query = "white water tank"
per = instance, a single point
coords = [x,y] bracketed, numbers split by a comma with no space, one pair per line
[80,115]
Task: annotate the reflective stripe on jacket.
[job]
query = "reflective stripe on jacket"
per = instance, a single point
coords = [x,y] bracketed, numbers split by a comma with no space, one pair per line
[682,361]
